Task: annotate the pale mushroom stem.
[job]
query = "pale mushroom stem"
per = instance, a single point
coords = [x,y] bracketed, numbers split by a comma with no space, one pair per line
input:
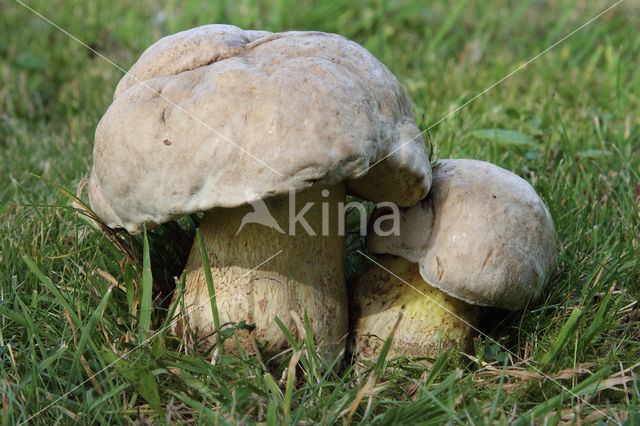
[307,273]
[432,321]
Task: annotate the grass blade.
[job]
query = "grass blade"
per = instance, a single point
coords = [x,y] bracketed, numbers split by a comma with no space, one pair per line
[147,290]
[448,23]
[89,328]
[291,380]
[52,288]
[137,374]
[287,333]
[274,390]
[212,291]
[561,340]
[509,137]
[438,366]
[597,324]
[584,387]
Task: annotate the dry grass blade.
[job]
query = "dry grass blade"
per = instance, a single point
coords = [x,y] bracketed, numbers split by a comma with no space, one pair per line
[126,247]
[256,350]
[612,382]
[291,380]
[91,374]
[490,374]
[517,372]
[412,389]
[626,370]
[571,416]
[368,385]
[73,327]
[301,330]
[571,373]
[111,279]
[374,375]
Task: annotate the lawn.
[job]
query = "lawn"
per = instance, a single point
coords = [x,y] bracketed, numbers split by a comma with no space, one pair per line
[73,341]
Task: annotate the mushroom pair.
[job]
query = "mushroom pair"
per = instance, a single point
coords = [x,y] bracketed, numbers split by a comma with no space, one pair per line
[266,133]
[237,123]
[482,237]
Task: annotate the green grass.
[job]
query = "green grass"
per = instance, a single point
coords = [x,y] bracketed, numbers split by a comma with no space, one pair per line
[575,111]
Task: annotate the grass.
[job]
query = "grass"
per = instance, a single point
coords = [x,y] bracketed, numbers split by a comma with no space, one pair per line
[69,311]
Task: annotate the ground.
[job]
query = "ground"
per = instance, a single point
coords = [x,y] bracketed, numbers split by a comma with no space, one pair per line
[71,321]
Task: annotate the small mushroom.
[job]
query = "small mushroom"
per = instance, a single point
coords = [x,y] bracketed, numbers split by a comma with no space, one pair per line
[481,237]
[236,123]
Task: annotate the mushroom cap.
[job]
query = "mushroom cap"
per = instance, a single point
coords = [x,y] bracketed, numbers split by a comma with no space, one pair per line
[481,235]
[219,117]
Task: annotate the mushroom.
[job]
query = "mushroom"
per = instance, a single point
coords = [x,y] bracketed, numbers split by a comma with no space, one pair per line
[481,237]
[239,124]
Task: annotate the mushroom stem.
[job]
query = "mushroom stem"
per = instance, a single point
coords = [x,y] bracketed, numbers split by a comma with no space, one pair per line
[307,273]
[432,320]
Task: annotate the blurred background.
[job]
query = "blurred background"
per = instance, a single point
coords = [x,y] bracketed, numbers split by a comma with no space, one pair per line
[444,53]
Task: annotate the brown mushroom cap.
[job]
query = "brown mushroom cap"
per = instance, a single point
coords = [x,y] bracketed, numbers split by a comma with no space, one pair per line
[220,117]
[482,235]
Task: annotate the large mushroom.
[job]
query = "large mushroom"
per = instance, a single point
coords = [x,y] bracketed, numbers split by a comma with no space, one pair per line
[481,237]
[236,124]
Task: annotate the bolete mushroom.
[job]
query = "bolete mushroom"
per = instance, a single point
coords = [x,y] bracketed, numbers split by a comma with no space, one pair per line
[481,237]
[237,123]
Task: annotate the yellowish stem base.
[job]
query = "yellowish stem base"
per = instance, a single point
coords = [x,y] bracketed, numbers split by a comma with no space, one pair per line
[431,320]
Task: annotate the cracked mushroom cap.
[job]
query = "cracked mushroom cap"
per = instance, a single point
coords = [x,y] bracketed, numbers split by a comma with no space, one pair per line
[482,235]
[219,117]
